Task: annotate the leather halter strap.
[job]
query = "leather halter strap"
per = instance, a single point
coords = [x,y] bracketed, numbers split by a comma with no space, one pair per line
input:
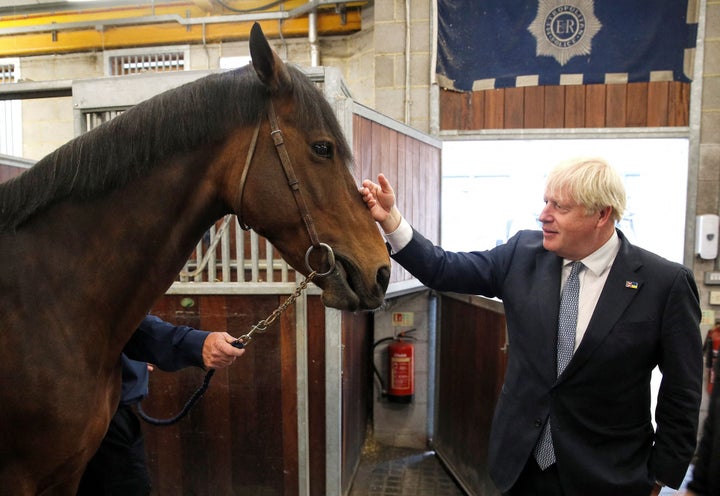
[294,185]
[246,169]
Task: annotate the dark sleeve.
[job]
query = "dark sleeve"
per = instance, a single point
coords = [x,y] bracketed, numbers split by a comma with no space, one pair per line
[165,345]
[476,272]
[709,445]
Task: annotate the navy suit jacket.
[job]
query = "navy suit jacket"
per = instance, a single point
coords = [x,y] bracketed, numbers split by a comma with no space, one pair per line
[167,346]
[647,315]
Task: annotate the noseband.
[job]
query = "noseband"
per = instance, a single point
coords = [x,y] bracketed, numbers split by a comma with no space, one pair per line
[294,185]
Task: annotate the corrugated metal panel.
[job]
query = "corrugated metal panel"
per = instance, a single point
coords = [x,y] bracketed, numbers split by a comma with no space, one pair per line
[122,65]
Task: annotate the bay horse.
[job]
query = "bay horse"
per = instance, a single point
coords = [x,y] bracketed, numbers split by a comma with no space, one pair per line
[97,230]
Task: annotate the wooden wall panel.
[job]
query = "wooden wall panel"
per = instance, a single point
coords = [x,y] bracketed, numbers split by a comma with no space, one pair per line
[356,391]
[595,97]
[494,104]
[658,104]
[241,438]
[554,103]
[637,105]
[477,101]
[574,106]
[453,106]
[679,105]
[411,165]
[471,367]
[8,172]
[534,114]
[362,140]
[514,107]
[316,394]
[616,105]
[654,104]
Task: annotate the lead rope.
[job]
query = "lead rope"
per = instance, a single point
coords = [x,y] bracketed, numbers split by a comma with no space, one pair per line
[260,327]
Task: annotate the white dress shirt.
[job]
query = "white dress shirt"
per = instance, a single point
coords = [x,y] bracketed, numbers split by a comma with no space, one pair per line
[592,281]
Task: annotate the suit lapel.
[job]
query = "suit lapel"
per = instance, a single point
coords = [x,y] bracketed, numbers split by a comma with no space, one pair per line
[622,285]
[547,294]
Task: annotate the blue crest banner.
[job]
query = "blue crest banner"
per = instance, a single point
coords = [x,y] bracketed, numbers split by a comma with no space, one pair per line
[484,44]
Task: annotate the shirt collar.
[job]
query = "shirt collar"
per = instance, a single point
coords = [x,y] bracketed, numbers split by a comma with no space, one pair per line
[601,259]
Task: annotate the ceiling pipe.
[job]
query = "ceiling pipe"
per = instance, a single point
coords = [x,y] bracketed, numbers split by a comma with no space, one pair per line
[408,65]
[313,39]
[308,8]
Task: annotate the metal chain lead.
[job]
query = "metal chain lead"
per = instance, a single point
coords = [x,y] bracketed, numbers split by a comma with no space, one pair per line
[263,324]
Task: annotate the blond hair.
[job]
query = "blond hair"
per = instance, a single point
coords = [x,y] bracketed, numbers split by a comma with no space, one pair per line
[591,182]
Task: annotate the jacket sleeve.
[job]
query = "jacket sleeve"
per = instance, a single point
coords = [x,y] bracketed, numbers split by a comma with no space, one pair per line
[476,272]
[165,345]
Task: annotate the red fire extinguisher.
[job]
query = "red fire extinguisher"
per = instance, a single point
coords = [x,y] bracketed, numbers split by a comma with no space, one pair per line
[711,348]
[401,386]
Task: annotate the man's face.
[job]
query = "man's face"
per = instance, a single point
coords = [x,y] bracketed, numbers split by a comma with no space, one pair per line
[567,229]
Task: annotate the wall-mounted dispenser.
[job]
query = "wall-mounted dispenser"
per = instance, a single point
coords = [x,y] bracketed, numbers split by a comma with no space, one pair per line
[706,236]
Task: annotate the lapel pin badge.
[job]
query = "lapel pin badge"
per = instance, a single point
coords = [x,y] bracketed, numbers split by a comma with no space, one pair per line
[631,284]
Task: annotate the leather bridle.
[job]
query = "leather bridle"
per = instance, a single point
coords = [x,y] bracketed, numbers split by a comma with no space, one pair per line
[294,185]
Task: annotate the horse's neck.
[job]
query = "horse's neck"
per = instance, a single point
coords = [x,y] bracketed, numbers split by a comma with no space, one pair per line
[104,262]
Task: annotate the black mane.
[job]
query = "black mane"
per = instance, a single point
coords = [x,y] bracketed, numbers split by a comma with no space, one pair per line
[174,122]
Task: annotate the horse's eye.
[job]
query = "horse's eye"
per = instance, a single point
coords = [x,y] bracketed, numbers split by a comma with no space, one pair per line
[323,149]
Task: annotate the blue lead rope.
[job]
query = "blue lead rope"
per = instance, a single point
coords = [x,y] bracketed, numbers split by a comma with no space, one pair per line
[189,404]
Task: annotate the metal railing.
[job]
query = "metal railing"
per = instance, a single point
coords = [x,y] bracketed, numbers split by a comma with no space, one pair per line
[227,253]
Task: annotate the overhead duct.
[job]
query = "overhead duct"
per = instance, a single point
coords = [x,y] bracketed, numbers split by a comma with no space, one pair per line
[304,9]
[81,29]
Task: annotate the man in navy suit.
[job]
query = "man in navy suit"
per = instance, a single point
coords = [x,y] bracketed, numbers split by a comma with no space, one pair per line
[634,311]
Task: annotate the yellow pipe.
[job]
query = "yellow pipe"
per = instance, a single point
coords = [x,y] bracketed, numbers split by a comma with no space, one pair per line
[167,33]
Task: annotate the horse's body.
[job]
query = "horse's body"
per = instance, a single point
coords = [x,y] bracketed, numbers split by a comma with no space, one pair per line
[98,230]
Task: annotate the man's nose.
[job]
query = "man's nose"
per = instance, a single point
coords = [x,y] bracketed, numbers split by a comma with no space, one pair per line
[544,216]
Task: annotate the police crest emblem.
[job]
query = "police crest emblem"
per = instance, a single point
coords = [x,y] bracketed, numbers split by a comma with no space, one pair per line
[564,29]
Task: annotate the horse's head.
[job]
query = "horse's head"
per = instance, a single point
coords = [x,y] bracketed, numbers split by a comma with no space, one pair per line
[297,189]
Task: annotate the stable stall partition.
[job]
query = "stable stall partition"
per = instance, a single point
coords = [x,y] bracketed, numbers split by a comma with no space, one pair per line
[472,356]
[12,166]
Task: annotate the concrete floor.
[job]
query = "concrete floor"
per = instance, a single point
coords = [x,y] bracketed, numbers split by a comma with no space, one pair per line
[388,471]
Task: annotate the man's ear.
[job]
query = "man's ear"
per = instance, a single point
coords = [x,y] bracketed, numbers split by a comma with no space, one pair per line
[605,214]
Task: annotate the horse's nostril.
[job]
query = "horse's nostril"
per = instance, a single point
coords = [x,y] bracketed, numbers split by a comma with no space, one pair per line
[383,277]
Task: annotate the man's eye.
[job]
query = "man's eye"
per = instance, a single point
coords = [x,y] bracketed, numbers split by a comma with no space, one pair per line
[323,149]
[556,206]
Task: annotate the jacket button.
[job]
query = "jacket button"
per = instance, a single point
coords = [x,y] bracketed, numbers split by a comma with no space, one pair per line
[538,423]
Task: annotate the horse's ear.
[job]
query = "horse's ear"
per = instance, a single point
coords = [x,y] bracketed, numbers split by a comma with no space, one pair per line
[268,65]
